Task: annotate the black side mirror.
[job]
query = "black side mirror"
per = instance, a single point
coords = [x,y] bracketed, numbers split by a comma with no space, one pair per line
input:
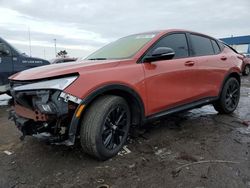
[3,49]
[160,53]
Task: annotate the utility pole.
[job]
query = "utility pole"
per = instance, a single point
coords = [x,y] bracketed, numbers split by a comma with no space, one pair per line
[29,41]
[55,47]
[44,53]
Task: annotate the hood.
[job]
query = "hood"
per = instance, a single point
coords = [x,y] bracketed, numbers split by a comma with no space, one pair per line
[56,70]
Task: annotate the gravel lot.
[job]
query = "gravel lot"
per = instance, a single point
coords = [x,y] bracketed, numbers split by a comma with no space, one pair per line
[216,149]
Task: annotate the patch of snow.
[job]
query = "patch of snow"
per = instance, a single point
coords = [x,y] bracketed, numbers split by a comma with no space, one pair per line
[4,98]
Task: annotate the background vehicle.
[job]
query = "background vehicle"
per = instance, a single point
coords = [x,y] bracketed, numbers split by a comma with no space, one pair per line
[12,61]
[133,80]
[62,60]
[247,55]
[245,69]
[246,66]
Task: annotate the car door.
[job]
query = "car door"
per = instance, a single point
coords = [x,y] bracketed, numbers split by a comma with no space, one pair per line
[170,83]
[211,63]
[6,65]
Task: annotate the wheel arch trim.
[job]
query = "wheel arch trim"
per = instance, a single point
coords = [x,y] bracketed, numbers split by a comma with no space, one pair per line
[230,74]
[106,89]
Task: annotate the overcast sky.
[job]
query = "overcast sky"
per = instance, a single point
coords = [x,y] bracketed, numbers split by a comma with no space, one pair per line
[81,26]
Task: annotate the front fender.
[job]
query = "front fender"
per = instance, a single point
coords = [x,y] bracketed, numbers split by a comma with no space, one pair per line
[112,88]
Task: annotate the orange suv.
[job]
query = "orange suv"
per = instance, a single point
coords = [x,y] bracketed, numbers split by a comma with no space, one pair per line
[133,80]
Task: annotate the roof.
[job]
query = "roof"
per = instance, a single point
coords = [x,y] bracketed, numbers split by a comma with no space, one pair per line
[237,40]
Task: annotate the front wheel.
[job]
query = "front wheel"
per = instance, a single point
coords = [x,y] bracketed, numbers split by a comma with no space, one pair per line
[229,97]
[105,127]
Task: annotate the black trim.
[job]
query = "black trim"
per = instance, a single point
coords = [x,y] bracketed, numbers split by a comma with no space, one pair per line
[213,47]
[107,88]
[231,48]
[226,78]
[221,44]
[190,49]
[180,108]
[217,42]
[75,121]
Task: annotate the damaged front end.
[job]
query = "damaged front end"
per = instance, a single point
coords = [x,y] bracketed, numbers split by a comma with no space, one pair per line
[43,110]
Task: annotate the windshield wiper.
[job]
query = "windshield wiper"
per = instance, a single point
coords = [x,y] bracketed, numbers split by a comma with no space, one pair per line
[99,58]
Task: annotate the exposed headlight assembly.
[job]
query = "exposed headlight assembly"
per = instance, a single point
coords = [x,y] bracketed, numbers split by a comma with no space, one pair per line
[59,84]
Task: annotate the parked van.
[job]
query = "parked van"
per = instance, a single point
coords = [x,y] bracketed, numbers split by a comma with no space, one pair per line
[12,61]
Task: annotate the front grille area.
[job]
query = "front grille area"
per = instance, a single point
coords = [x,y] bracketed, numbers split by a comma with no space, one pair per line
[41,111]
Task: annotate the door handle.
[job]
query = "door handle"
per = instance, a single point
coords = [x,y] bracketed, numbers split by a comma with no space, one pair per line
[240,57]
[223,58]
[189,63]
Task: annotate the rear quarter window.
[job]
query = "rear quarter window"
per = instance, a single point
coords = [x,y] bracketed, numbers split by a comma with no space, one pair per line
[221,45]
[215,47]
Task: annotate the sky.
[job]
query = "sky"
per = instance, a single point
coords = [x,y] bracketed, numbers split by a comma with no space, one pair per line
[80,27]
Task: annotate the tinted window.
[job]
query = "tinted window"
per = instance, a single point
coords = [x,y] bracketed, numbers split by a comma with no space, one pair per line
[177,42]
[201,45]
[222,46]
[215,46]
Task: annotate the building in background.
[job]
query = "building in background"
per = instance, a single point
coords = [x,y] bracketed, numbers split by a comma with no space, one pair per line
[240,43]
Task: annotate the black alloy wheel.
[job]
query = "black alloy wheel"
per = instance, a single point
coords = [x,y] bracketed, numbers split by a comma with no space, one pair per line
[232,96]
[229,97]
[105,126]
[115,127]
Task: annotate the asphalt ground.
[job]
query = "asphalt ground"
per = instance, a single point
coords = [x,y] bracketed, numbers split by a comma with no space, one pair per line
[197,148]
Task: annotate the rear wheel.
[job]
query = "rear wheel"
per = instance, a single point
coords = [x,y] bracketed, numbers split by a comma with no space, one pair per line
[246,70]
[229,98]
[105,127]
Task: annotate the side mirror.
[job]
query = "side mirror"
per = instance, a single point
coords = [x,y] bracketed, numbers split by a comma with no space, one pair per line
[160,53]
[3,49]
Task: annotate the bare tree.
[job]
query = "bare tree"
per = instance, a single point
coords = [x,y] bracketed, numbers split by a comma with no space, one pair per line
[62,53]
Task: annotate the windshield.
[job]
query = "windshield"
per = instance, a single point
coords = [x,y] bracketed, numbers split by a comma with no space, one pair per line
[12,47]
[123,48]
[18,51]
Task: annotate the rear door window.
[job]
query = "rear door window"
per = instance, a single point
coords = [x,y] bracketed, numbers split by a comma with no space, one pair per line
[177,42]
[201,45]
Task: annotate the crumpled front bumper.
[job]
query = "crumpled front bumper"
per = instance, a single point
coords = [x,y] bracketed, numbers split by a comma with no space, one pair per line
[50,114]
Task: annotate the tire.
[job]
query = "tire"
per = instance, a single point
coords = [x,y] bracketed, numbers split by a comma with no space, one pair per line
[246,70]
[229,97]
[105,127]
